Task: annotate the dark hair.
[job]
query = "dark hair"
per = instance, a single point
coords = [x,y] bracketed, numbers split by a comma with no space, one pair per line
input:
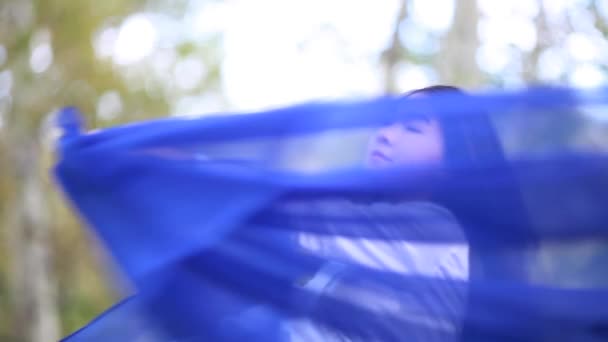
[439,88]
[472,152]
[469,140]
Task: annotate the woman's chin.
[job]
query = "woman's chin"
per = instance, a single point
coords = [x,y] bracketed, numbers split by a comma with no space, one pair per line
[377,162]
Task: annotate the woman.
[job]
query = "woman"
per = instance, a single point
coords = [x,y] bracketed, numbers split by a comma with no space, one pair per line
[354,273]
[436,314]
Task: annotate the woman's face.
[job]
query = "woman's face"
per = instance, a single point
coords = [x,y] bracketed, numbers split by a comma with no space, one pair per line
[411,142]
[415,141]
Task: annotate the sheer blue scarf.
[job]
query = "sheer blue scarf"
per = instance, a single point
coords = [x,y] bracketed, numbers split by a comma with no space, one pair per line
[194,213]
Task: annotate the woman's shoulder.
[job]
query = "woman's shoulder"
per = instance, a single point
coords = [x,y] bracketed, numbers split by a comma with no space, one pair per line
[416,208]
[429,221]
[349,205]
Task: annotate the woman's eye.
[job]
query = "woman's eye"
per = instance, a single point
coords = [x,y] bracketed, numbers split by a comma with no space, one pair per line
[412,128]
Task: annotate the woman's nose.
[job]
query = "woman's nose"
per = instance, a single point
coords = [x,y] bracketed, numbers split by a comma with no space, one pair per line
[387,135]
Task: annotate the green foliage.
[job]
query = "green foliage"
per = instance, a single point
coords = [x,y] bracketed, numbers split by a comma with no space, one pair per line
[75,77]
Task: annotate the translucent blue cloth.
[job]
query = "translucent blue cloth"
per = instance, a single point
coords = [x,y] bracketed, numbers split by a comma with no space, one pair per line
[214,243]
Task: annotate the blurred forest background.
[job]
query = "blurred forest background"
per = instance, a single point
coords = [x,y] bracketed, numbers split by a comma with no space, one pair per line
[121,61]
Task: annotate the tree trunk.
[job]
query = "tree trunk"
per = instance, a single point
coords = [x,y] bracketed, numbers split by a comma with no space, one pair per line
[34,286]
[456,62]
[543,41]
[392,54]
[598,21]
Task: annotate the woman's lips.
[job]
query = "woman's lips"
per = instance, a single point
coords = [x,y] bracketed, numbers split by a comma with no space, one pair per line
[380,156]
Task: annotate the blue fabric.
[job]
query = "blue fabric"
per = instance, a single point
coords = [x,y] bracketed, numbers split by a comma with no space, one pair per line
[215,258]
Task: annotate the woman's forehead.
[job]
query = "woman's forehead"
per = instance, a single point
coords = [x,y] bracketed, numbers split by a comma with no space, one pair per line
[417,95]
[426,115]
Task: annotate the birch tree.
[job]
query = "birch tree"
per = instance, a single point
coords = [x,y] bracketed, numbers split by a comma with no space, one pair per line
[456,61]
